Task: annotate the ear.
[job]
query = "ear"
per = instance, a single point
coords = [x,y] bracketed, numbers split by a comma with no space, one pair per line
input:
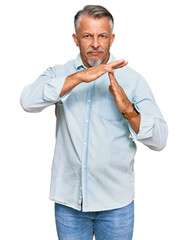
[112,39]
[75,38]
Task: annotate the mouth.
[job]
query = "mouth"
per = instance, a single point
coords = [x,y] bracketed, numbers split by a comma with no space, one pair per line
[94,52]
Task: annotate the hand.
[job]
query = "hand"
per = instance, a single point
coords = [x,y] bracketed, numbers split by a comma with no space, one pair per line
[92,73]
[89,75]
[121,100]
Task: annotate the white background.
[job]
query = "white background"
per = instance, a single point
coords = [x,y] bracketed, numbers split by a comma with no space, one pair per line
[152,36]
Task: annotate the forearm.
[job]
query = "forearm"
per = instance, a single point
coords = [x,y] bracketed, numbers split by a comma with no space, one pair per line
[159,136]
[70,82]
[43,92]
[135,123]
[153,132]
[54,84]
[33,98]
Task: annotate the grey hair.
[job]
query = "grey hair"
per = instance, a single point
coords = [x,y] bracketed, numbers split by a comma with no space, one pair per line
[95,11]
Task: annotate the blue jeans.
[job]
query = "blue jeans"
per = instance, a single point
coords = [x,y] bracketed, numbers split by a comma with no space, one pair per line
[116,224]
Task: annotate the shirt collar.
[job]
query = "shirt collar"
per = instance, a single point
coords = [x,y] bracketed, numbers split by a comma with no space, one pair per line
[111,58]
[79,64]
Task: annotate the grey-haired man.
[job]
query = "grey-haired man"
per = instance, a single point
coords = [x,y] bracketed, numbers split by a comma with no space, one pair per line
[102,106]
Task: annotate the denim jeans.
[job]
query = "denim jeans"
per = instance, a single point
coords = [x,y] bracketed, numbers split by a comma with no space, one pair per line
[116,224]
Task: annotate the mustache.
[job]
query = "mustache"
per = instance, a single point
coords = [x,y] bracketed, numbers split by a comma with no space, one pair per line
[94,50]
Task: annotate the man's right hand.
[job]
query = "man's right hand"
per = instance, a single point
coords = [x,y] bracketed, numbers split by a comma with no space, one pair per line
[90,74]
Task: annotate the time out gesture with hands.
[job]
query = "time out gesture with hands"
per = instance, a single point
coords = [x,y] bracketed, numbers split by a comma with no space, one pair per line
[90,74]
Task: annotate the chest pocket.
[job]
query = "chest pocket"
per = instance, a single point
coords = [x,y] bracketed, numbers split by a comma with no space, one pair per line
[108,109]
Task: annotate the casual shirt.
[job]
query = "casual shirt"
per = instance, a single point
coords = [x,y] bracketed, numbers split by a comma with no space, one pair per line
[93,165]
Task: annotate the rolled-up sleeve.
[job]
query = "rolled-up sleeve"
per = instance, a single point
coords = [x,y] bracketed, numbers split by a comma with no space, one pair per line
[153,131]
[43,92]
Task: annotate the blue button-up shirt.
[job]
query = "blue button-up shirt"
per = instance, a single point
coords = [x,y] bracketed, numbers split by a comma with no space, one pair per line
[93,163]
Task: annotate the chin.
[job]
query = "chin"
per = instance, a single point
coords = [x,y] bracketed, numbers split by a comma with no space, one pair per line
[93,63]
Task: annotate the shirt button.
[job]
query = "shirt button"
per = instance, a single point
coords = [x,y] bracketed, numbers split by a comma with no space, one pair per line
[81,188]
[86,121]
[89,100]
[85,143]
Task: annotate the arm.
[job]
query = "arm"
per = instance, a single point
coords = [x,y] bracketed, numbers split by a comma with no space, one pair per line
[153,128]
[43,92]
[48,89]
[149,126]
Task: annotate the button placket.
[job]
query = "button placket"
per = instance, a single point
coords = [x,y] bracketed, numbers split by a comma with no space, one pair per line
[85,146]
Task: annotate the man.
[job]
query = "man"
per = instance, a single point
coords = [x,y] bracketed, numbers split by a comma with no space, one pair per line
[102,105]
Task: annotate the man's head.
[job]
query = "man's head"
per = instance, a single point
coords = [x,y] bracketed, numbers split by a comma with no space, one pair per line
[94,27]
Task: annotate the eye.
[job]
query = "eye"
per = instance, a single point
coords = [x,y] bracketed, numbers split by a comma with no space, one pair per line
[87,36]
[103,36]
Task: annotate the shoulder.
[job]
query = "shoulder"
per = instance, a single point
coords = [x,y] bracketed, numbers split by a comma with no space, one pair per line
[63,69]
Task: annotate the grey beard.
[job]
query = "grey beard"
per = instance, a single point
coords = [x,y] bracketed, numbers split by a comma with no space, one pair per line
[94,63]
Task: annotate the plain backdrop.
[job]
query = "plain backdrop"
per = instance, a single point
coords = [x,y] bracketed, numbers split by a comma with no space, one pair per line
[37,34]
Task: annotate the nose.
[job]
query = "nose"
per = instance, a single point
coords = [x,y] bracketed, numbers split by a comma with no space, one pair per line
[95,42]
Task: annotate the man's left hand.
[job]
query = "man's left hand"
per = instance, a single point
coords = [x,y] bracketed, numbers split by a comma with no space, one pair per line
[121,100]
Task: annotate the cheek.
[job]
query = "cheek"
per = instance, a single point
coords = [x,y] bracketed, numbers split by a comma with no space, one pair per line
[84,47]
[106,45]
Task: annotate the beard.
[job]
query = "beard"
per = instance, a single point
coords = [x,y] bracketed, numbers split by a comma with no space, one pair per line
[93,63]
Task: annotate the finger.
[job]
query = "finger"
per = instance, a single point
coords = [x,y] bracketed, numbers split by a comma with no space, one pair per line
[111,90]
[119,64]
[109,69]
[113,82]
[113,79]
[115,85]
[114,65]
[111,76]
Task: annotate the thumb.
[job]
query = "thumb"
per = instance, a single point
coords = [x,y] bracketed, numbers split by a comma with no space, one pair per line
[111,90]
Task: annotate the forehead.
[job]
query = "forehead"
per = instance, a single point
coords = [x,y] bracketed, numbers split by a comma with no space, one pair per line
[90,24]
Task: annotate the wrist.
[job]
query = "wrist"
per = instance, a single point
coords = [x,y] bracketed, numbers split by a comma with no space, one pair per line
[77,78]
[128,109]
[70,82]
[132,113]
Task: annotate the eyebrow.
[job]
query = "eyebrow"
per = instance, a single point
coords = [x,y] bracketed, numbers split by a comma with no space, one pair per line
[92,34]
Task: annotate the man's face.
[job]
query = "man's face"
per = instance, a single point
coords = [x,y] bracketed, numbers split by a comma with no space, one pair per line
[94,39]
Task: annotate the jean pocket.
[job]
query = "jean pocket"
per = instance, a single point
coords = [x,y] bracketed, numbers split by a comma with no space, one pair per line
[108,109]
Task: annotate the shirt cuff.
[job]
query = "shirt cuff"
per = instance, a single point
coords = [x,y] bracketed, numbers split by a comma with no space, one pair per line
[53,88]
[146,128]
